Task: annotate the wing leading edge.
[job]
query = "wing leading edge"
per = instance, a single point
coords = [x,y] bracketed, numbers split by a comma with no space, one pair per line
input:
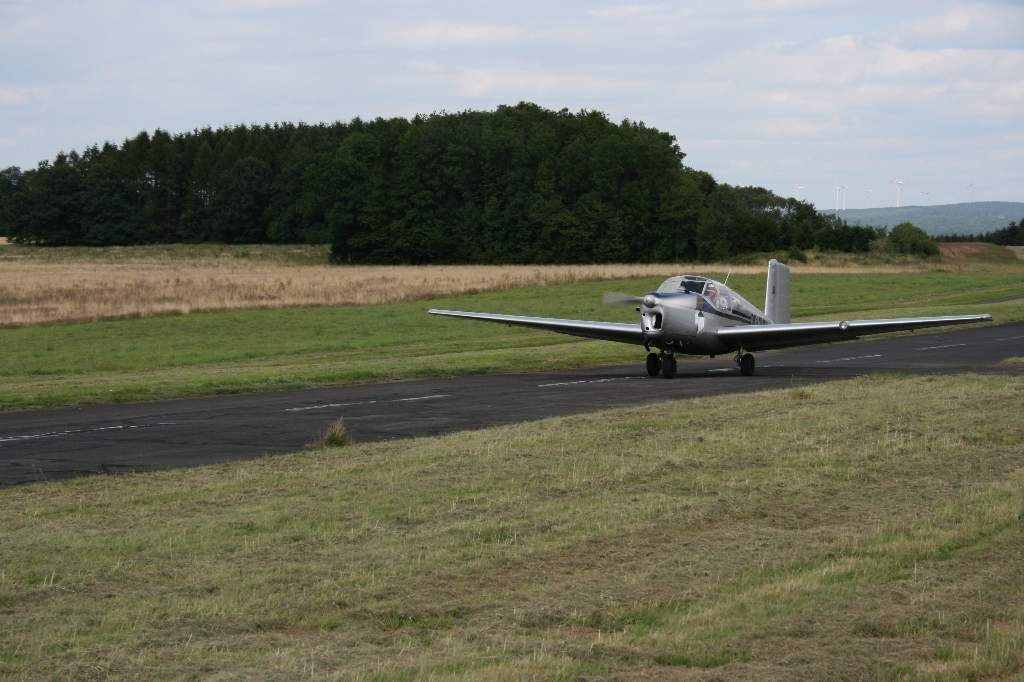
[766,337]
[605,331]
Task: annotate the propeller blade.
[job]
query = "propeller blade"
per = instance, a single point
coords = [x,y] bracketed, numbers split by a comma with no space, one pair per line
[617,298]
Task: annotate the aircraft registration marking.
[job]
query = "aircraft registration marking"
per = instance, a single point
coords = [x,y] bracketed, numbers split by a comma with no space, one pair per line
[859,357]
[71,432]
[951,345]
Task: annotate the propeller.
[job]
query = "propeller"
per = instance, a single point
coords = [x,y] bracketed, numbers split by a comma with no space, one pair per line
[618,298]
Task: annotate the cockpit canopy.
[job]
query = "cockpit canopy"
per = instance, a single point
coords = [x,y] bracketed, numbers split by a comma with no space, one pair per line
[720,296]
[690,284]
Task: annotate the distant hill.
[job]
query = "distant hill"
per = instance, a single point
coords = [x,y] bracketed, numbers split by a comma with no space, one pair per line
[970,218]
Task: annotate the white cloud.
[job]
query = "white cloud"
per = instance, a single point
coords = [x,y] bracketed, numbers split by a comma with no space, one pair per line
[519,84]
[757,92]
[974,25]
[448,34]
[625,10]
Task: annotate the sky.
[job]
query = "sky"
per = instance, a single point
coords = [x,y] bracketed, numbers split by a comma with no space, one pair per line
[776,93]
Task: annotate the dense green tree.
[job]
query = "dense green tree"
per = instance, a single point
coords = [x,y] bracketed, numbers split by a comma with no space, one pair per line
[10,184]
[909,238]
[520,184]
[47,209]
[1011,235]
[241,206]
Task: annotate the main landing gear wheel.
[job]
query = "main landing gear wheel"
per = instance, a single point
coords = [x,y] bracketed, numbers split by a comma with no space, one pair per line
[653,365]
[747,365]
[668,366]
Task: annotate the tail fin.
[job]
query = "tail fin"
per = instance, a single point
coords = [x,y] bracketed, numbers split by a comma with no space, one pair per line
[776,298]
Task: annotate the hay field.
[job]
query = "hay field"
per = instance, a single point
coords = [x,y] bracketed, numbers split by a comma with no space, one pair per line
[47,285]
[40,293]
[867,529]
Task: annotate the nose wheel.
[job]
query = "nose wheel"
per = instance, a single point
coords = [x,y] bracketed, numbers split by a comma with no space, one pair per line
[668,366]
[664,364]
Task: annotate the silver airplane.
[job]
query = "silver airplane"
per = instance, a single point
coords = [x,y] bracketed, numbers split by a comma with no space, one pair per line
[698,316]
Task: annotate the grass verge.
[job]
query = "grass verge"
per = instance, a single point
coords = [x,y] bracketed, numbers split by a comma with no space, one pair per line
[253,350]
[877,540]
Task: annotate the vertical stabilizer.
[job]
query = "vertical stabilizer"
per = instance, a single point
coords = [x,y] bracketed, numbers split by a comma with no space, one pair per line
[776,297]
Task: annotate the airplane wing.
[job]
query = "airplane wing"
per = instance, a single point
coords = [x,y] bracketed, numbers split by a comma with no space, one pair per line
[605,331]
[765,337]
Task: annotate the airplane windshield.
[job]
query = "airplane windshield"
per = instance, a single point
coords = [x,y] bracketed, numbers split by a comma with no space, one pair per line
[691,287]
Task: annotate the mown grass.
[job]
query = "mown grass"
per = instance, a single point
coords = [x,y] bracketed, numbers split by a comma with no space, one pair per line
[860,529]
[252,350]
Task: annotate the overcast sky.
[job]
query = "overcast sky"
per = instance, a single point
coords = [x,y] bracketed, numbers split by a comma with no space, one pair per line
[761,92]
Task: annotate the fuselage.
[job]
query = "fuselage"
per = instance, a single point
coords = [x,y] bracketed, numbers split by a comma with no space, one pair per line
[686,312]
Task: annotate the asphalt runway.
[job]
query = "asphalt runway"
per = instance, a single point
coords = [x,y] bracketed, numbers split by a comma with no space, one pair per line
[38,445]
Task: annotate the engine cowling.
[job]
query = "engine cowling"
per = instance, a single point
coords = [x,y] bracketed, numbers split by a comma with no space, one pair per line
[669,321]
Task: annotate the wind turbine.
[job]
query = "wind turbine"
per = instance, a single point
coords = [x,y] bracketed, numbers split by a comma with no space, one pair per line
[867,195]
[845,190]
[929,194]
[837,190]
[971,187]
[899,188]
[798,188]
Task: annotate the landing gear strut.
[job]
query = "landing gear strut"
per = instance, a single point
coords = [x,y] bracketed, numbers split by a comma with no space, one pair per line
[746,363]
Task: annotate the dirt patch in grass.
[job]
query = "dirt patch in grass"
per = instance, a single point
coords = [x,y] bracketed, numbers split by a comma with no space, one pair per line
[862,529]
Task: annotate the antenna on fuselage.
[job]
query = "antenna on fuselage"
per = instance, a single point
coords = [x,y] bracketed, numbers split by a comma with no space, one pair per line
[727,277]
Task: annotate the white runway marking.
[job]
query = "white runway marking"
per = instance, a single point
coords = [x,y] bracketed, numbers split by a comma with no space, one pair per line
[364,402]
[859,357]
[320,407]
[425,397]
[584,381]
[723,369]
[951,345]
[57,434]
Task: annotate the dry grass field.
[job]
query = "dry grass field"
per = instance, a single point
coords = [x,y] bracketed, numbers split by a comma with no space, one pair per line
[859,530]
[40,292]
[47,285]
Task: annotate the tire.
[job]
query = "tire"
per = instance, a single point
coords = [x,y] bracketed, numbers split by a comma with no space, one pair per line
[668,367]
[653,365]
[747,365]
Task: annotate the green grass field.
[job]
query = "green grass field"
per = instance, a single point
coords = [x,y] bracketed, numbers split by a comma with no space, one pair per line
[239,351]
[866,529]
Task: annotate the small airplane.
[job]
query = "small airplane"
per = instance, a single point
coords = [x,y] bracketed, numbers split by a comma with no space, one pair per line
[695,315]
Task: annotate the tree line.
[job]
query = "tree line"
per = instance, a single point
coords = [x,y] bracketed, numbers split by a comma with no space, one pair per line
[1011,235]
[520,184]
